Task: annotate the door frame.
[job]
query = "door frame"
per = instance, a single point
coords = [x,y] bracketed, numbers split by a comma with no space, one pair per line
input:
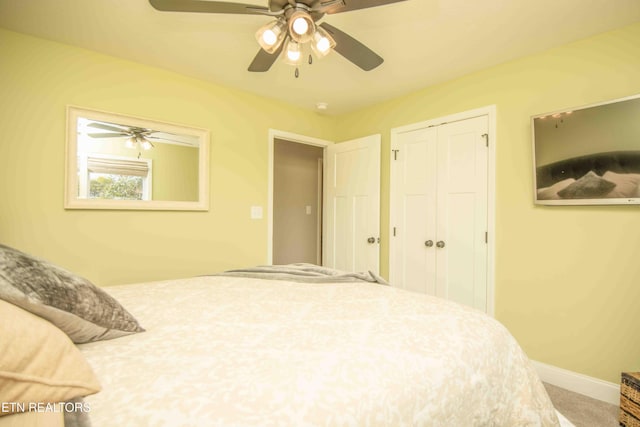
[490,112]
[290,137]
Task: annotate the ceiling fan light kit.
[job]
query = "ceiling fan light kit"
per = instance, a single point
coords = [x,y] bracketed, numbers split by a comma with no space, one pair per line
[294,27]
[138,142]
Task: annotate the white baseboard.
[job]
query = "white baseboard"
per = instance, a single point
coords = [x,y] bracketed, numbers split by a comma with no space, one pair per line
[579,383]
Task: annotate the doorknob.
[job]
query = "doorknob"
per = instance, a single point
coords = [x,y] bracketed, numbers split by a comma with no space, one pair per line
[371,240]
[440,244]
[428,243]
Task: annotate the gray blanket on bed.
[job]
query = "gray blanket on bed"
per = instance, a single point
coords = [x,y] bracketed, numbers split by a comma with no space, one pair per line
[77,418]
[301,272]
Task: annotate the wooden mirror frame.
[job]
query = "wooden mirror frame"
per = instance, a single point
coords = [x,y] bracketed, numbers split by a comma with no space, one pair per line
[71,199]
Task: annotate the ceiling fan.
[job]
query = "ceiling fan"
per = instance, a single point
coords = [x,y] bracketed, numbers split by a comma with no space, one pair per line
[138,137]
[294,27]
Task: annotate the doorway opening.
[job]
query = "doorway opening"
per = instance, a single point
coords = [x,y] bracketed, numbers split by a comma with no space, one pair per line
[295,211]
[297,203]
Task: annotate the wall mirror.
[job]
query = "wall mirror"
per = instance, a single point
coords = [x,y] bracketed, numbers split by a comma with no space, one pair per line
[122,162]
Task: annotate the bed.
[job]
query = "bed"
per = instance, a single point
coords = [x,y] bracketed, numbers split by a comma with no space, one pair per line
[610,175]
[273,349]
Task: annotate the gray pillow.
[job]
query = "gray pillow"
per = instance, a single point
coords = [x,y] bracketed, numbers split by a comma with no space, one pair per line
[589,186]
[72,303]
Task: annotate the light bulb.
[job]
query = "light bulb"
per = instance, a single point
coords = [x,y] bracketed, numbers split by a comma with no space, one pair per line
[300,26]
[322,42]
[269,37]
[293,55]
[130,143]
[292,52]
[145,143]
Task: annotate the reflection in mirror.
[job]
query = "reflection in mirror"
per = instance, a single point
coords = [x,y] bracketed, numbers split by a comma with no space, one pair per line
[120,162]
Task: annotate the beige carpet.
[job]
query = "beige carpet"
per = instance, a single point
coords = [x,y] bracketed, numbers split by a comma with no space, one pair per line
[581,410]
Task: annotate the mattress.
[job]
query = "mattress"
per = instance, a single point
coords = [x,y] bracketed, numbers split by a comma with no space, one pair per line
[241,351]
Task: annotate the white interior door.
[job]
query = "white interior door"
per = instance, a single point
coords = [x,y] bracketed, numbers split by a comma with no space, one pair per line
[439,205]
[352,205]
[461,264]
[413,211]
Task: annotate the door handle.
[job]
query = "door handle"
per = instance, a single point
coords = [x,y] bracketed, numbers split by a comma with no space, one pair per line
[428,243]
[371,240]
[440,244]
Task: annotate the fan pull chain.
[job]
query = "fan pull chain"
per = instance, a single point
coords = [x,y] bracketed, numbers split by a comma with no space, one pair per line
[297,73]
[310,60]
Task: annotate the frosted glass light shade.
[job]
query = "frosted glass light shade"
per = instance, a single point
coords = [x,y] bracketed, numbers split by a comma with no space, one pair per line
[146,144]
[271,35]
[301,26]
[292,52]
[322,42]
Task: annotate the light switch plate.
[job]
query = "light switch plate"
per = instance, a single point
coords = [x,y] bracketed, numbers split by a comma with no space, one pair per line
[256,212]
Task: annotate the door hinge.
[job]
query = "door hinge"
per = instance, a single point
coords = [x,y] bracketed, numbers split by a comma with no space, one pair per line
[394,232]
[486,138]
[395,154]
[486,237]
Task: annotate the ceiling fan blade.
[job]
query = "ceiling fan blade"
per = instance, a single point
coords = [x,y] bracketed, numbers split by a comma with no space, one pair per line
[264,60]
[357,4]
[149,132]
[107,135]
[160,139]
[104,126]
[208,7]
[352,49]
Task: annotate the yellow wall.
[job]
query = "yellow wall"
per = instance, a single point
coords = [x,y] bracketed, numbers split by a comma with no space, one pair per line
[567,278]
[39,78]
[175,172]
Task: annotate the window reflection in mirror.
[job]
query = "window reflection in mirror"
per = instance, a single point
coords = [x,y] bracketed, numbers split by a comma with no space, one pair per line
[120,162]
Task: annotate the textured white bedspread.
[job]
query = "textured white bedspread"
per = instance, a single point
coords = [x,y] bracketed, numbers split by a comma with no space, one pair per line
[228,351]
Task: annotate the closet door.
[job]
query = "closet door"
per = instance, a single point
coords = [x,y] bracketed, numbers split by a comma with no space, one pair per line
[413,213]
[461,262]
[439,211]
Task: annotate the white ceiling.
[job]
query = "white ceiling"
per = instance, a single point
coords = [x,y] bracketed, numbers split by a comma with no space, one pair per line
[423,42]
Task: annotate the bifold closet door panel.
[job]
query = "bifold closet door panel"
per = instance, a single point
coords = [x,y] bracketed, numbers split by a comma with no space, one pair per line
[416,200]
[462,211]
